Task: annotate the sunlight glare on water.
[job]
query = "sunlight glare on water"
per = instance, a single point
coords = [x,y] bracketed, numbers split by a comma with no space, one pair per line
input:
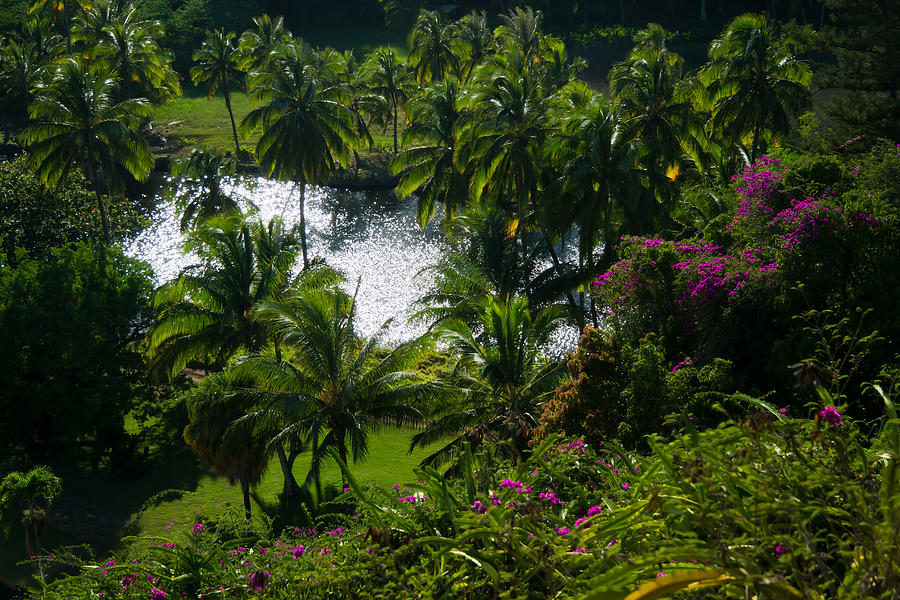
[371,236]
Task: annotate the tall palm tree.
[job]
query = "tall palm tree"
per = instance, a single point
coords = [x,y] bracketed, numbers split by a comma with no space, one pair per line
[483,263]
[426,165]
[520,29]
[43,42]
[88,27]
[218,62]
[306,124]
[599,172]
[62,7]
[202,172]
[651,93]
[390,79]
[432,54]
[130,45]
[21,71]
[258,43]
[207,313]
[754,81]
[503,140]
[502,374]
[234,453]
[333,391]
[474,42]
[77,121]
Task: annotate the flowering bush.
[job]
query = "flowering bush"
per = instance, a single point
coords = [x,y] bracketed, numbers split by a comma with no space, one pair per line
[717,508]
[732,292]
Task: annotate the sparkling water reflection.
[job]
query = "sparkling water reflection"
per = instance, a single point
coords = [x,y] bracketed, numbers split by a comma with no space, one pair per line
[371,236]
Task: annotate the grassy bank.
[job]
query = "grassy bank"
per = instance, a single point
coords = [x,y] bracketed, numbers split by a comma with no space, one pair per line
[99,506]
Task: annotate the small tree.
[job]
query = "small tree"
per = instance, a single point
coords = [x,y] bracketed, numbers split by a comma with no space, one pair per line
[36,490]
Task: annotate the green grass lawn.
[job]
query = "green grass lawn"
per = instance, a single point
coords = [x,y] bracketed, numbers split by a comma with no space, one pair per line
[199,120]
[387,464]
[207,494]
[196,120]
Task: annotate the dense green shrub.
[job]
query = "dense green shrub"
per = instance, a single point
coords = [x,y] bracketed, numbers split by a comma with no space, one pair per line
[70,359]
[776,507]
[34,219]
[617,391]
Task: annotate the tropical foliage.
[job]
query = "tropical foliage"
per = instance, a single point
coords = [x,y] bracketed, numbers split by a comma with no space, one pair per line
[737,268]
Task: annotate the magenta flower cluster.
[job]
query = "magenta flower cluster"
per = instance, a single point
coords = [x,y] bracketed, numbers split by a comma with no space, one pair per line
[830,415]
[754,186]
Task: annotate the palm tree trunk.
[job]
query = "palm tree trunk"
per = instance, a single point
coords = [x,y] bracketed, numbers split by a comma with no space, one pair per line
[622,9]
[342,452]
[37,547]
[291,488]
[245,490]
[237,145]
[302,185]
[753,150]
[100,206]
[68,28]
[702,10]
[395,127]
[594,319]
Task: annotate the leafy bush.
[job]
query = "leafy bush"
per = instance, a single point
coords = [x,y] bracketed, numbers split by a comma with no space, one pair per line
[617,391]
[776,507]
[34,219]
[70,361]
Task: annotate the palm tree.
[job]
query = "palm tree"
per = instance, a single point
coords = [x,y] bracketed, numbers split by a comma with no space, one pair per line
[483,263]
[474,42]
[367,108]
[88,28]
[426,165]
[203,171]
[21,70]
[333,391]
[502,374]
[131,47]
[649,89]
[36,490]
[306,124]
[521,30]
[754,81]
[207,313]
[234,453]
[599,174]
[218,62]
[504,138]
[432,53]
[44,44]
[78,122]
[258,44]
[389,78]
[58,7]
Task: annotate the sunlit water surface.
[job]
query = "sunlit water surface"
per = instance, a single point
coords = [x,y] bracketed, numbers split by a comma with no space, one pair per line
[371,236]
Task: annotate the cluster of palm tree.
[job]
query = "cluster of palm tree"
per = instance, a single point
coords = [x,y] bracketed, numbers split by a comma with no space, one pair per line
[496,130]
[519,154]
[87,97]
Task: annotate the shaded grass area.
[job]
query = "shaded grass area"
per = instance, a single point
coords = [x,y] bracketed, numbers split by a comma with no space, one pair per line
[360,39]
[388,463]
[95,499]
